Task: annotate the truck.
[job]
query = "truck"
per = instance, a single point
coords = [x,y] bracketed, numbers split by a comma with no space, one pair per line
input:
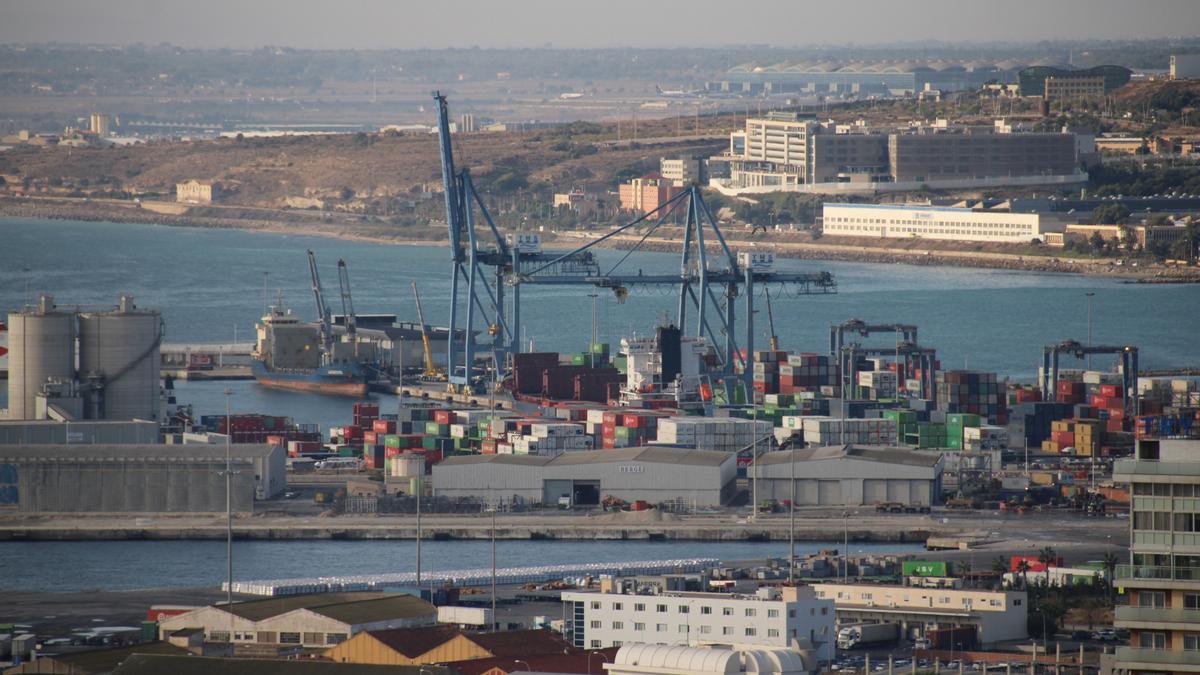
[957,638]
[853,635]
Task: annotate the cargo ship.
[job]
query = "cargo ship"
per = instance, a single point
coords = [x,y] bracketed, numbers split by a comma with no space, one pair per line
[291,354]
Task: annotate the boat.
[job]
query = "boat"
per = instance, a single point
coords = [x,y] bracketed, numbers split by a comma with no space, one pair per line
[291,354]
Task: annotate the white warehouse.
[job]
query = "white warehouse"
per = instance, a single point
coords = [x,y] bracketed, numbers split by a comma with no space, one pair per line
[851,475]
[922,221]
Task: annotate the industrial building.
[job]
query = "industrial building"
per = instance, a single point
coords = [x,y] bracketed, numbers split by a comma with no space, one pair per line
[652,473]
[772,617]
[314,620]
[862,78]
[1033,80]
[851,475]
[83,432]
[997,616]
[640,658]
[922,221]
[138,478]
[1185,66]
[442,644]
[1163,614]
[116,374]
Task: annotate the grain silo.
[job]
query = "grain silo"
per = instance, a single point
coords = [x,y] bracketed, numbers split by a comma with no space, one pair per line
[41,345]
[119,362]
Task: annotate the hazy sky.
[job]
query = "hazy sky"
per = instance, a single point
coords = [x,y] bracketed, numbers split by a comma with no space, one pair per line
[595,23]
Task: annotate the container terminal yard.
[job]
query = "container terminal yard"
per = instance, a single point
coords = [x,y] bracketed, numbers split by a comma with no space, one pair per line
[1031,525]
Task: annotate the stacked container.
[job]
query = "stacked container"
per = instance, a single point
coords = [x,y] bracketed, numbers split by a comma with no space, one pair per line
[721,434]
[820,431]
[968,391]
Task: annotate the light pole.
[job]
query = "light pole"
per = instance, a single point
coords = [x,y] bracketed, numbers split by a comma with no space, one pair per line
[1089,317]
[494,622]
[792,521]
[418,491]
[229,511]
[754,460]
[590,655]
[527,666]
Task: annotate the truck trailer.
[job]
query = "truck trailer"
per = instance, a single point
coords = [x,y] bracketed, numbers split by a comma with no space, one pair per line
[854,635]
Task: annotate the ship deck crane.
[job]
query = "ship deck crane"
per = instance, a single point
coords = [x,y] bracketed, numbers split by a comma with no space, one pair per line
[1129,369]
[348,315]
[323,315]
[431,369]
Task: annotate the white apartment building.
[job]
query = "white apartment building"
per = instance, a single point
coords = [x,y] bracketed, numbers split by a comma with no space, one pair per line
[773,617]
[919,221]
[996,615]
[779,138]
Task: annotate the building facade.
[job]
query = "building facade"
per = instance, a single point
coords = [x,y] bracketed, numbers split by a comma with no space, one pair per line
[1074,88]
[645,194]
[932,157]
[851,476]
[1185,66]
[197,191]
[1163,581]
[930,222]
[997,616]
[773,617]
[682,170]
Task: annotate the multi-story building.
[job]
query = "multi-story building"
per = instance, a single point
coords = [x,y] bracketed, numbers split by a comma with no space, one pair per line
[197,191]
[772,617]
[910,221]
[1074,88]
[1185,66]
[979,154]
[101,124]
[1163,581]
[643,195]
[996,615]
[682,170]
[583,203]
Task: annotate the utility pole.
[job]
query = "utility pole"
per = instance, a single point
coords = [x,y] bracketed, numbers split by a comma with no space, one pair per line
[494,622]
[1089,319]
[229,512]
[792,521]
[418,491]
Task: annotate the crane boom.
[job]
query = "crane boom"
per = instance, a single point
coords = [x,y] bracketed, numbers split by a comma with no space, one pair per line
[347,301]
[430,368]
[323,315]
[771,321]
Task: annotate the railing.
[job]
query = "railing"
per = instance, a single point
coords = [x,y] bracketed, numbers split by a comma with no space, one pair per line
[1175,657]
[1155,572]
[1158,615]
[1151,467]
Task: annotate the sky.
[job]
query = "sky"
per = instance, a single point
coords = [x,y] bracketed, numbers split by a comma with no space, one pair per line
[387,24]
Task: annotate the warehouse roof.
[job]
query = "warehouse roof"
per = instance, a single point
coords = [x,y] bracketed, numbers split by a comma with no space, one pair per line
[869,453]
[198,665]
[413,642]
[647,453]
[145,453]
[352,607]
[104,660]
[520,642]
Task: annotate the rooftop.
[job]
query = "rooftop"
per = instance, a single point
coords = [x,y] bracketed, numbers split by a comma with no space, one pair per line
[413,642]
[146,453]
[104,660]
[870,453]
[142,664]
[646,453]
[352,608]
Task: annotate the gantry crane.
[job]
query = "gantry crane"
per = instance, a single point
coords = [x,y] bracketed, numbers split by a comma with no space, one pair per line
[837,332]
[702,283]
[431,369]
[348,315]
[323,315]
[1129,369]
[925,357]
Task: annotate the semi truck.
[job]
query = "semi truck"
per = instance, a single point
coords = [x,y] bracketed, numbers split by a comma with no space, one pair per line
[854,635]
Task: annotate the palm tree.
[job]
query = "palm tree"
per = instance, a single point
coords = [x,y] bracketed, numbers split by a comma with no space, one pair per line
[1023,570]
[1110,561]
[1000,567]
[1045,557]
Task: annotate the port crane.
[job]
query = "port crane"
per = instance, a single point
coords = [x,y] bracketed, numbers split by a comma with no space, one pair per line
[348,315]
[323,315]
[1129,369]
[709,285]
[431,369]
[912,353]
[771,321]
[838,331]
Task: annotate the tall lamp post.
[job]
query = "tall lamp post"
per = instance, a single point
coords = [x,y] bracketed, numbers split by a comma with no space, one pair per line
[1089,317]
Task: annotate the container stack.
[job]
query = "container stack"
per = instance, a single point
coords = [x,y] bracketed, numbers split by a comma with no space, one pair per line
[1031,422]
[766,371]
[553,439]
[628,429]
[819,431]
[968,391]
[876,385]
[1082,435]
[984,438]
[956,423]
[721,434]
[906,422]
[806,372]
[927,435]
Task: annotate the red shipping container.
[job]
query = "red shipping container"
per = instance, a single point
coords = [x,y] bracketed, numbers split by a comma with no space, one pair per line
[432,456]
[1114,425]
[276,440]
[1035,565]
[384,426]
[1063,438]
[1110,390]
[352,432]
[610,418]
[442,416]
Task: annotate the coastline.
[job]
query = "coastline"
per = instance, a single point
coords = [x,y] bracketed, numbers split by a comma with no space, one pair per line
[305,224]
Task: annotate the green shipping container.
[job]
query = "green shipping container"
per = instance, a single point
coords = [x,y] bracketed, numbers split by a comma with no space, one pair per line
[429,442]
[149,631]
[925,568]
[579,359]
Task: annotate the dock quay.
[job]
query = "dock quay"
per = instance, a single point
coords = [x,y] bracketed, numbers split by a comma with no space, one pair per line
[206,360]
[468,577]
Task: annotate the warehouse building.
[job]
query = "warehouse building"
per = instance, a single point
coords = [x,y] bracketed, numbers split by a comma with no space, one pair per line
[851,475]
[997,616]
[442,644]
[53,432]
[137,478]
[313,620]
[922,221]
[651,473]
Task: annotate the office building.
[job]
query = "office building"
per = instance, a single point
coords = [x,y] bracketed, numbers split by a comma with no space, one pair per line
[1074,88]
[1033,79]
[1163,581]
[998,616]
[682,170]
[851,475]
[645,194]
[313,620]
[772,617]
[919,221]
[1185,66]
[970,154]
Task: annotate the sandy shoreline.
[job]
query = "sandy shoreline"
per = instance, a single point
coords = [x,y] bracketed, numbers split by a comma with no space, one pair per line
[305,224]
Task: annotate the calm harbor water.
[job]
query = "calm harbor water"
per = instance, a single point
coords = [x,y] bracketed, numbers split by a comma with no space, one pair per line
[126,565]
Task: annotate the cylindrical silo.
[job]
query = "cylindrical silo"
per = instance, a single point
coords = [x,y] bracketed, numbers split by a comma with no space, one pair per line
[119,358]
[41,346]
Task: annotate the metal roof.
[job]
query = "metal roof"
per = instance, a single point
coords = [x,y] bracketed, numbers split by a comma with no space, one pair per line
[101,452]
[646,453]
[104,660]
[348,607]
[869,453]
[142,664]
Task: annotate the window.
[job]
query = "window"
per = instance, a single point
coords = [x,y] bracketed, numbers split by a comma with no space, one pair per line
[750,611]
[772,632]
[726,611]
[223,636]
[1191,642]
[705,630]
[596,624]
[660,628]
[683,609]
[772,613]
[595,644]
[618,625]
[1152,599]
[289,638]
[618,606]
[1147,640]
[639,626]
[595,605]
[750,632]
[683,628]
[639,607]
[267,637]
[706,610]
[661,608]
[616,643]
[314,639]
[1191,600]
[335,638]
[726,630]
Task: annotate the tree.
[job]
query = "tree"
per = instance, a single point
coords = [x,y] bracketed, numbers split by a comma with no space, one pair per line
[1046,556]
[1023,570]
[1097,243]
[1110,214]
[1110,567]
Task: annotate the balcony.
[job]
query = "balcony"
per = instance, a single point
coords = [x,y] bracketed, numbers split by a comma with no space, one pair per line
[1158,618]
[1153,573]
[1133,658]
